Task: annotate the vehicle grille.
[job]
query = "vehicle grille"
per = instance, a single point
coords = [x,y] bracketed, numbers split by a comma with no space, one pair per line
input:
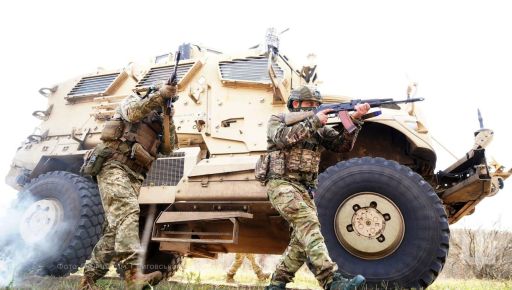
[94,85]
[253,69]
[166,171]
[162,73]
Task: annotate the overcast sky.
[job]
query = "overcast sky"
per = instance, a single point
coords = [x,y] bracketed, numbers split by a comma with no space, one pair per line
[459,52]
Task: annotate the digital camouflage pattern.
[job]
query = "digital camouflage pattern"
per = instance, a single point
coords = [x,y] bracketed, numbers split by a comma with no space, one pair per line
[119,192]
[134,108]
[237,263]
[297,148]
[119,188]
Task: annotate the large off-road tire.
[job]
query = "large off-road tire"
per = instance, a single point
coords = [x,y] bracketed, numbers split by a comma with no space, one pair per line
[61,221]
[382,220]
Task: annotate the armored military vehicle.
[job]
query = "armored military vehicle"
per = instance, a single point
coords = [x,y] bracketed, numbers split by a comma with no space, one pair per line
[385,212]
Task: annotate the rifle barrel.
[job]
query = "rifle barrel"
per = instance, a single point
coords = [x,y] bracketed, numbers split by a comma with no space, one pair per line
[407,101]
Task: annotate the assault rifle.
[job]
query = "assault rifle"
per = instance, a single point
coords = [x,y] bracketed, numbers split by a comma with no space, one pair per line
[343,108]
[173,81]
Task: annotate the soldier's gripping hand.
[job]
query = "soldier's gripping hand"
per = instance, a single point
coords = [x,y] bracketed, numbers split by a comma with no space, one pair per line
[322,116]
[361,110]
[166,91]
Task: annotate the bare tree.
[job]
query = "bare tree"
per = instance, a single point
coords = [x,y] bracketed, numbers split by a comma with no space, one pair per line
[482,254]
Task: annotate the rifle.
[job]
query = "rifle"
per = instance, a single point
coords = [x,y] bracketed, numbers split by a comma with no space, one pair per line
[173,81]
[343,108]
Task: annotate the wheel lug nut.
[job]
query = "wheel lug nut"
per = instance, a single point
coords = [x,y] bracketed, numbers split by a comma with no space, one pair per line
[381,238]
[386,216]
[350,228]
[373,204]
[356,207]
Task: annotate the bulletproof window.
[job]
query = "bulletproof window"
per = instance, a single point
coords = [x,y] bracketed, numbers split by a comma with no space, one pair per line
[97,85]
[250,69]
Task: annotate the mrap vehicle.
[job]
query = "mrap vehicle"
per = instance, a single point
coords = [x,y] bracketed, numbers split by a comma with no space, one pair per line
[385,212]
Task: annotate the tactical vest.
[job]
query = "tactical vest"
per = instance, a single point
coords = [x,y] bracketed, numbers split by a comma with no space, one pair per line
[299,163]
[134,144]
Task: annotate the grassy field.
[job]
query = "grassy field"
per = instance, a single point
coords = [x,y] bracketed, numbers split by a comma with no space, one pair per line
[197,283]
[203,274]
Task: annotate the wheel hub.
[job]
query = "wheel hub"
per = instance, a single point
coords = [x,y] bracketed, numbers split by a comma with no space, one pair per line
[368,222]
[369,225]
[40,219]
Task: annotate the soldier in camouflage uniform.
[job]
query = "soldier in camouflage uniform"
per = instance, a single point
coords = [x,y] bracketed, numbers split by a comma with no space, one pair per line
[239,259]
[294,152]
[131,139]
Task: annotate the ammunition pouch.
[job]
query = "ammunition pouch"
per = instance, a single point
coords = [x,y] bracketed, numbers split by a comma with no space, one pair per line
[113,130]
[132,144]
[277,163]
[143,134]
[302,160]
[262,166]
[132,155]
[295,164]
[94,159]
[141,156]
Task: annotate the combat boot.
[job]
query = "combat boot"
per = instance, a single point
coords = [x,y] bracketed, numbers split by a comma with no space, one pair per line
[134,279]
[341,283]
[230,278]
[263,276]
[87,283]
[279,286]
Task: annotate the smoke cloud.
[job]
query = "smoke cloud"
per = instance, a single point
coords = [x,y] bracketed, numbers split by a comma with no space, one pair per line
[17,256]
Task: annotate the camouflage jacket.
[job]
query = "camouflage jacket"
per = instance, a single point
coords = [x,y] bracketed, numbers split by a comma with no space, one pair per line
[133,109]
[308,134]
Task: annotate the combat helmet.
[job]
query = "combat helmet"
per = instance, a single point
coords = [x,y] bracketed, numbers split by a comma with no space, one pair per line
[303,93]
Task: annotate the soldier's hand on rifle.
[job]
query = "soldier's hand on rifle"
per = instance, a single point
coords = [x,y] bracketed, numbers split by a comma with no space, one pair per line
[322,115]
[167,91]
[361,110]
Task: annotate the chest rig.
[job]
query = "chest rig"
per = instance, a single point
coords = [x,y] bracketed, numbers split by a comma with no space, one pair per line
[299,163]
[134,144]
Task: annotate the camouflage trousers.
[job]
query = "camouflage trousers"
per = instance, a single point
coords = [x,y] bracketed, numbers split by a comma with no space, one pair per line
[292,201]
[239,259]
[120,242]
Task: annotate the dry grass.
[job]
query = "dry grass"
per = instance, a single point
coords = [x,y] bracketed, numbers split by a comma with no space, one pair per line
[198,274]
[472,284]
[245,283]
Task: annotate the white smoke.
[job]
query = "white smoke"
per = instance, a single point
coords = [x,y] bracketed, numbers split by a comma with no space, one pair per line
[16,256]
[10,256]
